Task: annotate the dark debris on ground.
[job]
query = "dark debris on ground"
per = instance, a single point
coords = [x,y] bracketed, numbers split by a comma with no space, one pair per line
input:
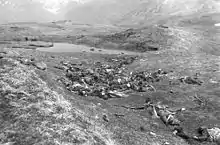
[111,80]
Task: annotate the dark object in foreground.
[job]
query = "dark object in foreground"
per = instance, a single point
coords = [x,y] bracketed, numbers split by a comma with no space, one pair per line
[180,132]
[152,48]
[210,135]
[105,118]
[41,45]
[110,80]
[24,46]
[163,26]
[166,115]
[190,80]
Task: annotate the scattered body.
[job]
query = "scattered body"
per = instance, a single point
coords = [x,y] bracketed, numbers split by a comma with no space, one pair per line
[208,134]
[166,115]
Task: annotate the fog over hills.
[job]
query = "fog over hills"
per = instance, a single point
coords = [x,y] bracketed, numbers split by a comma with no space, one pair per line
[102,11]
[23,11]
[123,12]
[139,11]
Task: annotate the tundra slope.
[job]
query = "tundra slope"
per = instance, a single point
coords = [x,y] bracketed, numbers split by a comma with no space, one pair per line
[183,57]
[38,109]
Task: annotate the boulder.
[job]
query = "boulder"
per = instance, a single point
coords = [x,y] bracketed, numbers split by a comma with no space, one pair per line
[40,65]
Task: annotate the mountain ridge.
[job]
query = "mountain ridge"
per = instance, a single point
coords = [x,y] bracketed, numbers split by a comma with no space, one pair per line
[138,12]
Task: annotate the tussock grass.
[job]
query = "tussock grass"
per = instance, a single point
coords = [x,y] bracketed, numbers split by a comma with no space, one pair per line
[33,113]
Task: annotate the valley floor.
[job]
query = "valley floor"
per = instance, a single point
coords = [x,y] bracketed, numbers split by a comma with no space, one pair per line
[36,108]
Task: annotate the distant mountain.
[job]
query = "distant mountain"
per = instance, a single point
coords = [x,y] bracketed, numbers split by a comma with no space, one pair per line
[66,8]
[23,11]
[119,12]
[151,11]
[137,12]
[101,11]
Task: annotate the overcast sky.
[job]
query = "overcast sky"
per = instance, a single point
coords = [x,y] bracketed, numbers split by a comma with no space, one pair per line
[54,5]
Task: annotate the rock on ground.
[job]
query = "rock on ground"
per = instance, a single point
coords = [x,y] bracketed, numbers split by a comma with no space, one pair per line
[40,65]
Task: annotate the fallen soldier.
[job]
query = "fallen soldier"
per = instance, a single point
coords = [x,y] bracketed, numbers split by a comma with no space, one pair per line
[210,135]
[116,94]
[190,80]
[166,115]
[180,132]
